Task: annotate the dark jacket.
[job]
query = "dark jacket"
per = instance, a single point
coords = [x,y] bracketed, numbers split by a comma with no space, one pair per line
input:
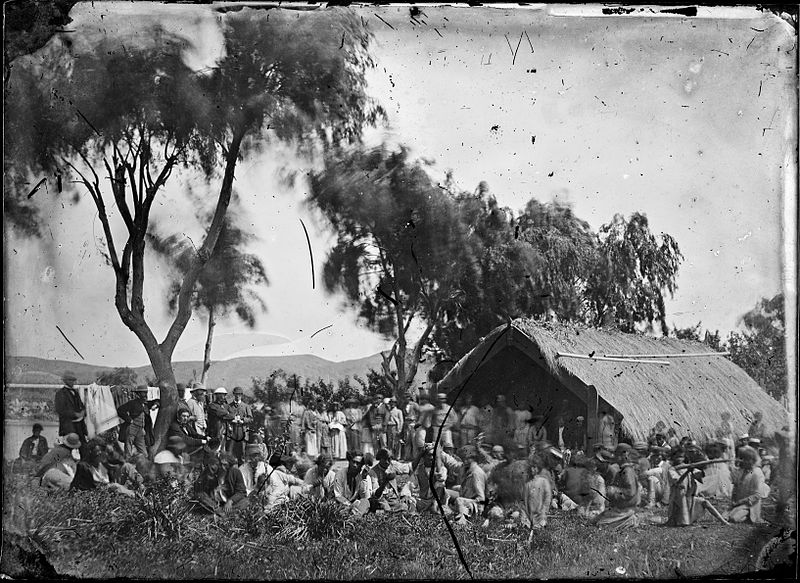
[68,405]
[29,451]
[234,488]
[217,417]
[190,437]
[135,415]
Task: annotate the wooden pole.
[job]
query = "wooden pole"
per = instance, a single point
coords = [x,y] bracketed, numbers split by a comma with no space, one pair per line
[671,355]
[606,358]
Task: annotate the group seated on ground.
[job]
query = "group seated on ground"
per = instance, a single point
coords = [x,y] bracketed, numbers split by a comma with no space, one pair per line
[433,467]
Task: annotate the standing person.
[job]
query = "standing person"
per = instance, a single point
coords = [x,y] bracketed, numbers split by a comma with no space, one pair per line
[337,430]
[308,424]
[197,407]
[424,421]
[217,416]
[353,415]
[35,446]
[622,493]
[607,430]
[538,493]
[501,424]
[136,422]
[394,428]
[373,424]
[70,409]
[410,416]
[323,429]
[443,422]
[241,417]
[537,434]
[757,427]
[470,421]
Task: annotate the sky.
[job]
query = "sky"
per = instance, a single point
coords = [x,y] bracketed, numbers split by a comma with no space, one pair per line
[689,120]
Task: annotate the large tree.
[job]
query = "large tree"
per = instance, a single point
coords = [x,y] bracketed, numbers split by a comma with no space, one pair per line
[402,250]
[120,120]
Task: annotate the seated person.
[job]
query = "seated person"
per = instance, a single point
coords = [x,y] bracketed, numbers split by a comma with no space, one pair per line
[572,478]
[622,493]
[387,495]
[685,506]
[749,487]
[282,485]
[352,486]
[57,468]
[183,428]
[427,495]
[593,491]
[254,470]
[34,447]
[320,477]
[205,498]
[220,488]
[93,470]
[469,497]
[169,462]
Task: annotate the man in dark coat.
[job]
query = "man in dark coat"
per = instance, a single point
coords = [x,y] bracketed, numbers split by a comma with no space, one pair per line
[136,422]
[35,446]
[70,409]
[182,427]
[241,418]
[218,415]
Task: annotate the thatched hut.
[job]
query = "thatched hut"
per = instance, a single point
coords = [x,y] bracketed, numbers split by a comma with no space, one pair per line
[550,368]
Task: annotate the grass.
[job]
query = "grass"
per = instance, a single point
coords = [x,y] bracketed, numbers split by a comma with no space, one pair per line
[102,535]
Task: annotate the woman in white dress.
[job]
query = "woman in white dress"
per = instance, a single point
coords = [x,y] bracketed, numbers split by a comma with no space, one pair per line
[337,426]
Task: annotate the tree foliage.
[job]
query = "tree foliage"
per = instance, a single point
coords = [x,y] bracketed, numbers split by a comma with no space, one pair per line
[280,386]
[402,249]
[119,376]
[119,120]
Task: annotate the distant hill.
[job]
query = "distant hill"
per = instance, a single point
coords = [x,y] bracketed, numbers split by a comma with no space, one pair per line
[226,373]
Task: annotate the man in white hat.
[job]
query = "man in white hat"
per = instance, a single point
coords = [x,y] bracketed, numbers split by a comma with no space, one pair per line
[218,415]
[196,405]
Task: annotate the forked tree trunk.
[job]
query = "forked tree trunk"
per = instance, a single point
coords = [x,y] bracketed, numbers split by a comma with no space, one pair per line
[212,322]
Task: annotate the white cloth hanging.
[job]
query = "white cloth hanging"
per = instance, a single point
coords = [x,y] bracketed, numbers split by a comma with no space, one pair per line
[101,411]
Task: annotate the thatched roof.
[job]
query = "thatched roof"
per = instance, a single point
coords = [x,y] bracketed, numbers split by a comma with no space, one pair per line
[689,393]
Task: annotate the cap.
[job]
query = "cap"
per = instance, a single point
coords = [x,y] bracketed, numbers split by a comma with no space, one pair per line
[72,441]
[386,400]
[140,389]
[580,418]
[238,391]
[221,391]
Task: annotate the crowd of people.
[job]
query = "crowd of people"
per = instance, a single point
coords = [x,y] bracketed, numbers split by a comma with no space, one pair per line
[419,456]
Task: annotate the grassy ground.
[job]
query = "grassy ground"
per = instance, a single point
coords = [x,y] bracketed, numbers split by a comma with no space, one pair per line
[102,535]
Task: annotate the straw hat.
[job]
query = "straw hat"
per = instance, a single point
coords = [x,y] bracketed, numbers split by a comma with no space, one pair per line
[221,391]
[72,441]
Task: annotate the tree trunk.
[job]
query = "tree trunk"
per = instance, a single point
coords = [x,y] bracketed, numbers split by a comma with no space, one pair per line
[162,367]
[209,338]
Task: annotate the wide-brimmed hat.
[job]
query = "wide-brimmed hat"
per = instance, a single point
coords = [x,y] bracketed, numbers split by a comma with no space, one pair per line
[69,376]
[238,391]
[72,441]
[221,391]
[623,448]
[198,387]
